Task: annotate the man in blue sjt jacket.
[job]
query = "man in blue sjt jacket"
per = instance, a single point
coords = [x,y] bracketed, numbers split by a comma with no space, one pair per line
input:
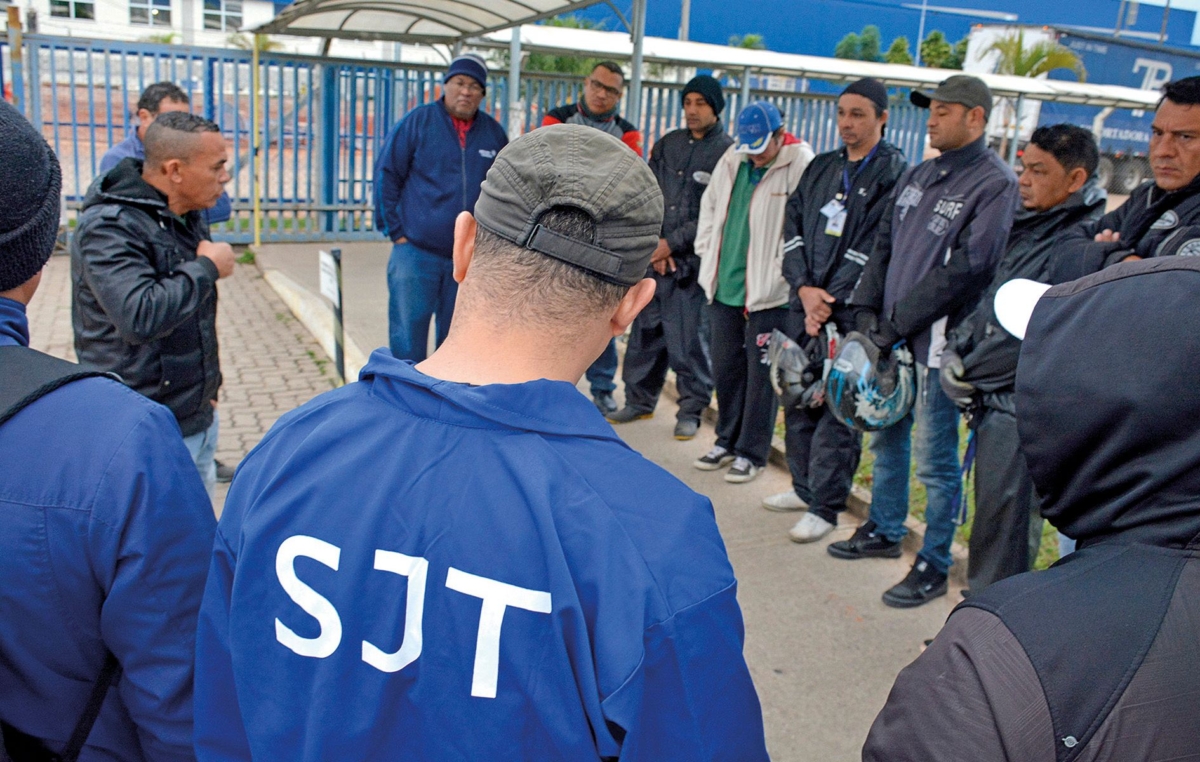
[105,528]
[459,560]
[428,171]
[159,98]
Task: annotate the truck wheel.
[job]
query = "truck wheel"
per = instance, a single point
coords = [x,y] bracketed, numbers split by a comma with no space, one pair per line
[1104,172]
[1129,175]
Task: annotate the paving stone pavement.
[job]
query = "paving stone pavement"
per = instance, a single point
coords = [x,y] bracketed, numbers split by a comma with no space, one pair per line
[270,363]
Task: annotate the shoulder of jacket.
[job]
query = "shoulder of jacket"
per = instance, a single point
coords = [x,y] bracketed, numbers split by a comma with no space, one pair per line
[563,112]
[626,125]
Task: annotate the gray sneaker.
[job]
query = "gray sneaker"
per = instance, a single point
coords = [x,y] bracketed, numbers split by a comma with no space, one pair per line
[686,429]
[628,414]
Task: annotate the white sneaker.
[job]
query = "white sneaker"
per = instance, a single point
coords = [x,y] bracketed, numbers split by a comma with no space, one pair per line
[741,471]
[810,528]
[715,458]
[784,502]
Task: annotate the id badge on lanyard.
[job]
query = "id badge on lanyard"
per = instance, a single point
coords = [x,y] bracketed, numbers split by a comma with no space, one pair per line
[835,213]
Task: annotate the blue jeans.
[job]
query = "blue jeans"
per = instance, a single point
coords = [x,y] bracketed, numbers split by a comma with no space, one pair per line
[203,449]
[420,285]
[938,468]
[602,372]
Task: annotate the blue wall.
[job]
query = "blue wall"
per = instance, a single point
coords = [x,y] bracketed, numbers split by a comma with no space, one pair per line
[815,26]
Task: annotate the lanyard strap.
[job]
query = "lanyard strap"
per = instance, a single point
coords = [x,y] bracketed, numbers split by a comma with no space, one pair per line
[846,181]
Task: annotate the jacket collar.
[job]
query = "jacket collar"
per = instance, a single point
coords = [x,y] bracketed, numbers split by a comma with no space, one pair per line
[1090,195]
[123,184]
[608,116]
[14,325]
[788,152]
[544,406]
[962,157]
[714,130]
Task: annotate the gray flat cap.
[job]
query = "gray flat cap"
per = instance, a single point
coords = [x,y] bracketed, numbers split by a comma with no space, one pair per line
[961,88]
[575,166]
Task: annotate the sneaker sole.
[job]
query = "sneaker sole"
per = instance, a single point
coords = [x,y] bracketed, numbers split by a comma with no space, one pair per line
[641,417]
[682,438]
[910,603]
[807,540]
[778,509]
[854,555]
[705,466]
[740,478]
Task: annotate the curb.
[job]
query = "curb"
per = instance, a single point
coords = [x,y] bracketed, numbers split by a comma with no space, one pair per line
[859,502]
[317,318]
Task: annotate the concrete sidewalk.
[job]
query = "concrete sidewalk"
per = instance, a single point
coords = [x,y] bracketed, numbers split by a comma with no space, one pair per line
[822,647]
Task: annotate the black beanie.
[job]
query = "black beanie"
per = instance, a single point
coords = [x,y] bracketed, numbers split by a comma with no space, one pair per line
[709,89]
[30,186]
[871,89]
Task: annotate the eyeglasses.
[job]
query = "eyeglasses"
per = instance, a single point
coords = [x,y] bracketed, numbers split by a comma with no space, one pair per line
[600,87]
[471,86]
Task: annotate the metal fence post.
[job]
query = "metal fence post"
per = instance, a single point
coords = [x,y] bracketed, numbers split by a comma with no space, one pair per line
[635,86]
[256,144]
[329,142]
[16,58]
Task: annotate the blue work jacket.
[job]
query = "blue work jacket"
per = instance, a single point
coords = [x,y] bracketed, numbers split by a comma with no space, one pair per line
[410,568]
[105,536]
[424,177]
[133,147]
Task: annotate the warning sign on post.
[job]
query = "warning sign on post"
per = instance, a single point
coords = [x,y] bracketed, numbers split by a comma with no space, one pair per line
[329,278]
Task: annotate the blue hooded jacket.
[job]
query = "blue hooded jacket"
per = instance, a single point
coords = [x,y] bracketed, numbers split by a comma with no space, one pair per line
[410,568]
[424,178]
[105,536]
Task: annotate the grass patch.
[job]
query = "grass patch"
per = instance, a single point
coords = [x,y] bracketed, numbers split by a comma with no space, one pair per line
[247,257]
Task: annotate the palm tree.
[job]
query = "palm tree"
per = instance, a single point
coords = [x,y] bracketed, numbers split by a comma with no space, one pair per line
[1037,60]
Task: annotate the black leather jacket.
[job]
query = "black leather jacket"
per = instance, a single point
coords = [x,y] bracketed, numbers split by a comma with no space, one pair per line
[143,305]
[683,166]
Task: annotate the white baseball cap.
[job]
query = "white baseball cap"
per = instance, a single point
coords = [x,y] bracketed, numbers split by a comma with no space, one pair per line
[1014,304]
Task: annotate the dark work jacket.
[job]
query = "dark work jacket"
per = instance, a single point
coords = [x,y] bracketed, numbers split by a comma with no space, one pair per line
[989,353]
[1097,658]
[836,267]
[938,246]
[683,167]
[144,306]
[1152,223]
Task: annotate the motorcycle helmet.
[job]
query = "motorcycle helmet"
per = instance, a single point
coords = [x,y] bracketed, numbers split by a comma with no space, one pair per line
[797,373]
[866,392]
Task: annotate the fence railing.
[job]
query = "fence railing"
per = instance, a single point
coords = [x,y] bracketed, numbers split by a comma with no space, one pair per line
[316,123]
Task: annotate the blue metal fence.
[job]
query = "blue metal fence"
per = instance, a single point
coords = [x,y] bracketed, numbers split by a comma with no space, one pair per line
[319,121]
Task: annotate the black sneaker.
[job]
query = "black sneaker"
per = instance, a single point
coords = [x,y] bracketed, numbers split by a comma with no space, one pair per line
[627,415]
[922,585]
[604,402]
[224,472]
[864,543]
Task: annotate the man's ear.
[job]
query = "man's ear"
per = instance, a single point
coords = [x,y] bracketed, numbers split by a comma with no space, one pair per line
[631,304]
[171,170]
[1075,179]
[464,244]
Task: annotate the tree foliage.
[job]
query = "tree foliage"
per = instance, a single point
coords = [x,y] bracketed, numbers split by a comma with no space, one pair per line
[936,51]
[898,52]
[864,46]
[750,41]
[1035,60]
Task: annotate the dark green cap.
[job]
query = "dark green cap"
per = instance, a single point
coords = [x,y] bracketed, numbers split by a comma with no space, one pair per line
[581,167]
[961,88]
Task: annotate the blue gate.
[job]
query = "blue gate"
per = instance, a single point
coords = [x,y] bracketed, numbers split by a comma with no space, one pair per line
[307,155]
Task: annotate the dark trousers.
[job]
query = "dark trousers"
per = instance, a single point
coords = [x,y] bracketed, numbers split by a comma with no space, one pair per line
[746,403]
[601,373]
[667,334]
[1005,513]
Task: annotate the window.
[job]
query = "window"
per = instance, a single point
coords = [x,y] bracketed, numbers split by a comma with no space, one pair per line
[223,15]
[73,9]
[150,12]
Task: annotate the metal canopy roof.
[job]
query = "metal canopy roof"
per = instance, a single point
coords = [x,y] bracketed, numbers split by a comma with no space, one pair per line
[413,21]
[706,56]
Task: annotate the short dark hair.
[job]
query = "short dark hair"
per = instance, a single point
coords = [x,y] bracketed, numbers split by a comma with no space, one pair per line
[169,136]
[612,67]
[1185,92]
[522,284]
[154,95]
[1070,144]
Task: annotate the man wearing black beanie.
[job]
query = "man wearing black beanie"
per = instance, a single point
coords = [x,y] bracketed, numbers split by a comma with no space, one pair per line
[667,333]
[105,529]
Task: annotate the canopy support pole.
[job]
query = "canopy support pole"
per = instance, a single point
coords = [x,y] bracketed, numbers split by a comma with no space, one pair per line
[635,87]
[516,121]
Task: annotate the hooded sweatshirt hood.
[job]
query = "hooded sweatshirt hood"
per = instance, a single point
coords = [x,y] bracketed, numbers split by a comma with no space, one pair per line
[123,184]
[1107,404]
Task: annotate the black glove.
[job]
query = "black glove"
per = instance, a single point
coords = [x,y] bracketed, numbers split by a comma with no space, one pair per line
[865,321]
[885,335]
[962,393]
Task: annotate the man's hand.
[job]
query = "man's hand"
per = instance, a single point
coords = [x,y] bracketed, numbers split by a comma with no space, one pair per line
[816,303]
[1131,258]
[812,326]
[221,255]
[1108,236]
[401,241]
[661,260]
[962,393]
